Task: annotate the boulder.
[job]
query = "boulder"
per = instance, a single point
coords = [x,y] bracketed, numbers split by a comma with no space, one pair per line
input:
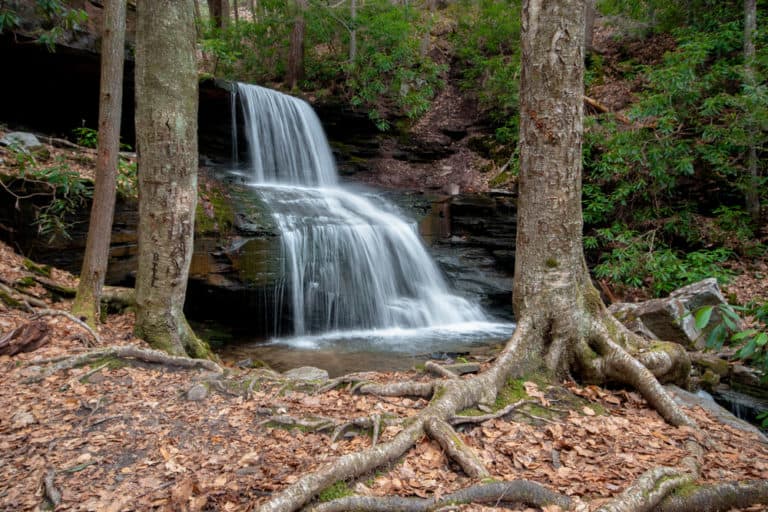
[672,319]
[23,140]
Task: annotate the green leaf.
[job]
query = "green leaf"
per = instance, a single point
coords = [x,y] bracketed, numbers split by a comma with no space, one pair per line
[744,334]
[716,337]
[761,339]
[747,350]
[703,316]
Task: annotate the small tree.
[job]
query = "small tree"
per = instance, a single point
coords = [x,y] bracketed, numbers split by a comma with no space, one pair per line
[88,299]
[166,135]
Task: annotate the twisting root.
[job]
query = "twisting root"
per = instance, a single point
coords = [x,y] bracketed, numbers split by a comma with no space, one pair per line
[72,318]
[718,497]
[449,441]
[128,353]
[517,491]
[619,365]
[439,370]
[313,424]
[648,490]
[458,419]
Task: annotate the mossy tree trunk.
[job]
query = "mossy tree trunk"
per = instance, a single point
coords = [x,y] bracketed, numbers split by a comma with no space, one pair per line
[166,135]
[88,299]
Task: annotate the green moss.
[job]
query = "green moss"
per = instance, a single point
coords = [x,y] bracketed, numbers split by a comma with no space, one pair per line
[439,392]
[471,412]
[10,301]
[219,218]
[113,363]
[551,263]
[41,270]
[25,282]
[512,391]
[338,490]
[686,490]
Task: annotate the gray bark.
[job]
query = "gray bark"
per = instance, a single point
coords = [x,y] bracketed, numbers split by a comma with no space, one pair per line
[166,134]
[753,190]
[88,300]
[295,69]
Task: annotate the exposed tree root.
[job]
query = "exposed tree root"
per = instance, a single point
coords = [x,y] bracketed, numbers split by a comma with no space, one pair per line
[648,490]
[718,497]
[449,441]
[598,352]
[129,354]
[440,370]
[459,419]
[72,318]
[518,491]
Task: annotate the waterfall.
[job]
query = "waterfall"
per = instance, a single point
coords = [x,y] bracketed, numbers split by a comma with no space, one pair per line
[349,263]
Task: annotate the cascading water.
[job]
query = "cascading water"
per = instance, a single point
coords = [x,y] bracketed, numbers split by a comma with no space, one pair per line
[350,265]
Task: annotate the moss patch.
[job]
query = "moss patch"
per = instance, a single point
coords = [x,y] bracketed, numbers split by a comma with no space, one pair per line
[338,490]
[41,270]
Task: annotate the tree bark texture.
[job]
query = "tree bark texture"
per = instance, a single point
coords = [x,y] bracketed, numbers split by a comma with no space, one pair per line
[166,134]
[295,70]
[753,190]
[218,10]
[88,300]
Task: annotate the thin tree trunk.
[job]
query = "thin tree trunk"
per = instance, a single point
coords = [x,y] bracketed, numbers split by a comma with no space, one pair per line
[589,24]
[87,305]
[252,5]
[295,71]
[753,189]
[235,11]
[166,134]
[353,31]
[198,17]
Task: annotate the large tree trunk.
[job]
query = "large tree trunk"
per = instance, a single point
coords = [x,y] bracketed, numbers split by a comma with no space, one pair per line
[571,329]
[753,176]
[166,135]
[88,300]
[295,71]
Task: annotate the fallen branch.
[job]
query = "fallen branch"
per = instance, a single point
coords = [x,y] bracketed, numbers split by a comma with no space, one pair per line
[605,110]
[128,353]
[517,491]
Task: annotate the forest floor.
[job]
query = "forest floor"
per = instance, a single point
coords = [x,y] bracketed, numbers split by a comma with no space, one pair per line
[117,436]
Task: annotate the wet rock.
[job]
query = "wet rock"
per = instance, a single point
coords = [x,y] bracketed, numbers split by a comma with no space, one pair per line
[309,373]
[197,393]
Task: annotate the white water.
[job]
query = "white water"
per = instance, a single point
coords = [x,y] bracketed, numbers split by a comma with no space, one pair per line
[354,270]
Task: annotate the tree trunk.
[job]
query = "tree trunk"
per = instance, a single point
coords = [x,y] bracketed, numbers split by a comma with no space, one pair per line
[353,31]
[235,11]
[753,175]
[88,300]
[166,135]
[219,12]
[571,330]
[589,24]
[295,71]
